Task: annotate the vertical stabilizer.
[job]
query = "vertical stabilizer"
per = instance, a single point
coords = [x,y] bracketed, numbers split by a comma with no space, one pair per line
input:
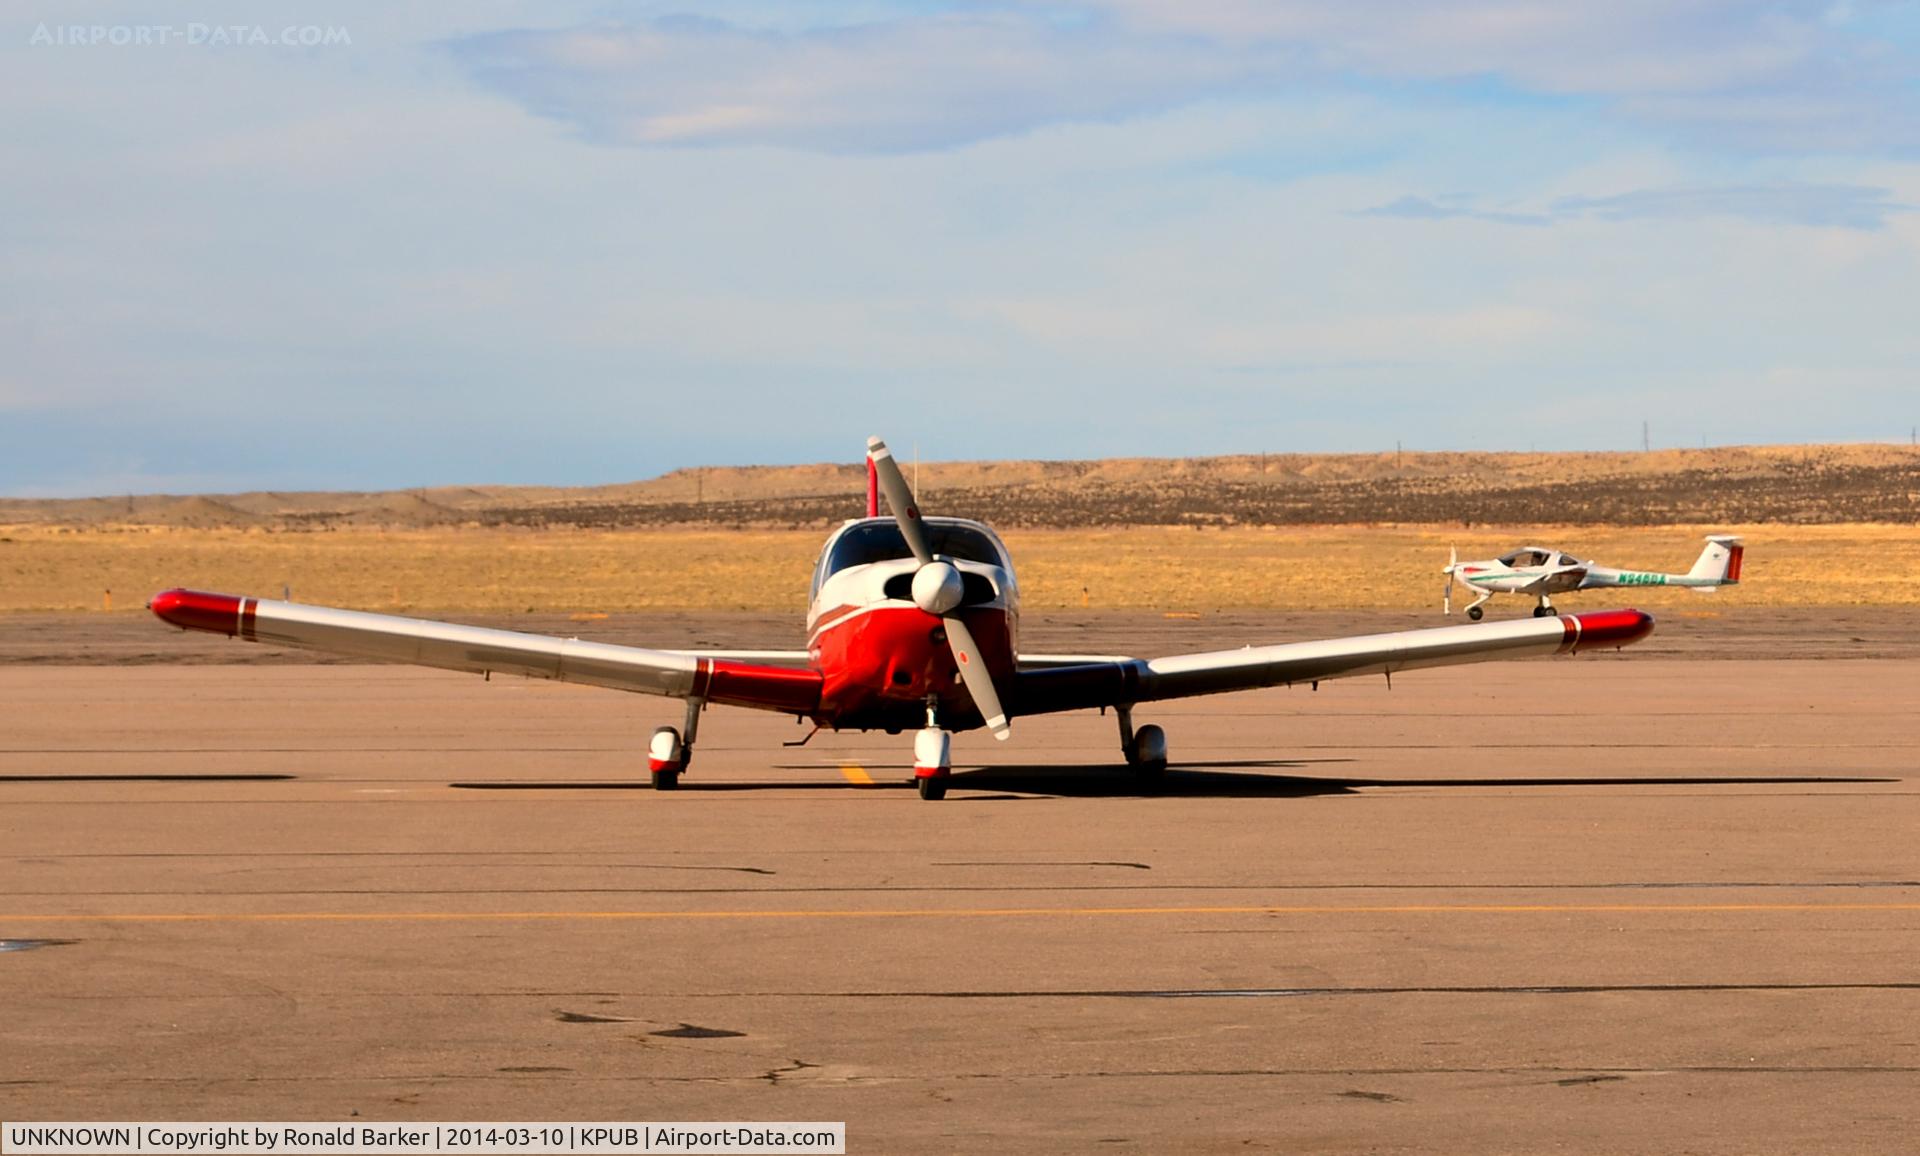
[1719,563]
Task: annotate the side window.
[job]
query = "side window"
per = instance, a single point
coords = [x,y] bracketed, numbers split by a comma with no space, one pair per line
[819,573]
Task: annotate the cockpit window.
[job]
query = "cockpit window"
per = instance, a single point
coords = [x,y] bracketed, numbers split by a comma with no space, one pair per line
[881,541]
[1524,558]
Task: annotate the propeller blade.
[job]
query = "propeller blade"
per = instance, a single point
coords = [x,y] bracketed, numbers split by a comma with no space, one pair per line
[900,499]
[973,672]
[1446,595]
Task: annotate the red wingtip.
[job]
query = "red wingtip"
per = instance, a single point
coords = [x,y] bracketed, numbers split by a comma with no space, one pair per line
[198,610]
[1607,628]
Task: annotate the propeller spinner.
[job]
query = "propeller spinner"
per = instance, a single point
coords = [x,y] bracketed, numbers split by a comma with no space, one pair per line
[937,589]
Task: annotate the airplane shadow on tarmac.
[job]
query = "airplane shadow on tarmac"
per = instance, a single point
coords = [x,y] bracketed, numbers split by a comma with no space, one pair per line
[1235,779]
[1201,780]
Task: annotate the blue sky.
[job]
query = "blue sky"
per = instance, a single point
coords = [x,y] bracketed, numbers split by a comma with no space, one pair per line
[575,243]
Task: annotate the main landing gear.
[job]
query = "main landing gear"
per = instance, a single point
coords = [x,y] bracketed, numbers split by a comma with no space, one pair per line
[669,753]
[1146,748]
[1545,608]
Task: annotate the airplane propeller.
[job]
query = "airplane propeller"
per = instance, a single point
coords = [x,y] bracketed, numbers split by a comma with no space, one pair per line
[938,588]
[1446,595]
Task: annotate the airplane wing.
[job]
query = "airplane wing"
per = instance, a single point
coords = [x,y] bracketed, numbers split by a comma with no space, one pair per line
[1126,682]
[1577,573]
[786,658]
[1049,661]
[480,650]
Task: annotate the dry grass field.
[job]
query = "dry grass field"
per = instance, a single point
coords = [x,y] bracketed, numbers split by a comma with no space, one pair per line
[1174,569]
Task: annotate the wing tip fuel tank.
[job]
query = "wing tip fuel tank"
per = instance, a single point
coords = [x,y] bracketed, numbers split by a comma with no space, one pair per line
[198,610]
[1614,628]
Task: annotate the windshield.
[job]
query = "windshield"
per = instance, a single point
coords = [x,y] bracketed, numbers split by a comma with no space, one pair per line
[867,542]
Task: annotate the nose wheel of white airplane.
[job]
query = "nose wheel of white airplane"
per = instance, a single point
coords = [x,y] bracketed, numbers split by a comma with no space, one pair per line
[1475,613]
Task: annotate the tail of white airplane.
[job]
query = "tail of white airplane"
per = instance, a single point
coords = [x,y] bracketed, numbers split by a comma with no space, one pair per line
[1718,564]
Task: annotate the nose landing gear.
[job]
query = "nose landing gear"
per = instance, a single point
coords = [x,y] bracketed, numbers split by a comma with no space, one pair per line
[932,758]
[932,762]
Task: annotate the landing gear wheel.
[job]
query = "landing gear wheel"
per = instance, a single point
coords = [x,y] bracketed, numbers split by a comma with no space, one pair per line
[666,758]
[1542,611]
[1474,612]
[932,762]
[1147,753]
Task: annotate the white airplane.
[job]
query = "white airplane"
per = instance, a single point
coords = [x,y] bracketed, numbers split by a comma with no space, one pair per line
[913,624]
[1542,573]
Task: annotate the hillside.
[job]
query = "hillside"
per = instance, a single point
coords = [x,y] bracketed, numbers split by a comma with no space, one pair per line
[1827,484]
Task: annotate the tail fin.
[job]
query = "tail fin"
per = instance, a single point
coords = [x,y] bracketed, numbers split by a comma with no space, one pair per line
[1720,561]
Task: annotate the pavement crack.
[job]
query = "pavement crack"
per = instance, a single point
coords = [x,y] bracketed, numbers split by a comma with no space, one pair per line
[1044,863]
[793,1067]
[1597,1078]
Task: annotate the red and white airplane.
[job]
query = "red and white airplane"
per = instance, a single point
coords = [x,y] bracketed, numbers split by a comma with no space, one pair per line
[913,624]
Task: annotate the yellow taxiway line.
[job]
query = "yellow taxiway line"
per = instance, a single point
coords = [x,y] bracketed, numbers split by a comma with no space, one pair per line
[856,774]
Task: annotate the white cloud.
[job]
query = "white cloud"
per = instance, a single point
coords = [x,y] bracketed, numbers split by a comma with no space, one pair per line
[1783,76]
[911,83]
[1789,203]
